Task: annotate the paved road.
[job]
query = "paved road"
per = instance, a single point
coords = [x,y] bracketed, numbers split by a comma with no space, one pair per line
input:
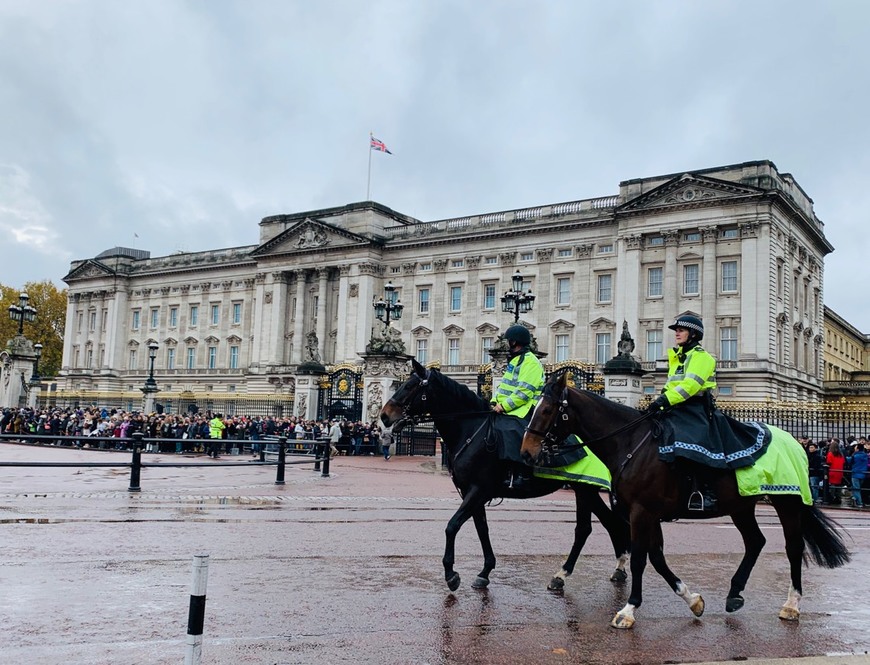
[347,569]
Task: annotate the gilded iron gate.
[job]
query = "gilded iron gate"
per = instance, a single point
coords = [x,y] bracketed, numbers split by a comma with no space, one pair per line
[340,394]
[580,375]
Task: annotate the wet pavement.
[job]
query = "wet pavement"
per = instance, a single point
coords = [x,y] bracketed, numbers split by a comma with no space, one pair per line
[347,569]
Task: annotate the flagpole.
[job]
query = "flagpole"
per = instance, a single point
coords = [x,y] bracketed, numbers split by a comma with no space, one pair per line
[369,182]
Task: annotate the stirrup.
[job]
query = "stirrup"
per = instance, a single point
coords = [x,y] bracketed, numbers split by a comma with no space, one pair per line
[696,501]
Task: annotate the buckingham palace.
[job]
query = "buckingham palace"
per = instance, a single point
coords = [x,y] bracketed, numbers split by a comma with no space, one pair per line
[739,246]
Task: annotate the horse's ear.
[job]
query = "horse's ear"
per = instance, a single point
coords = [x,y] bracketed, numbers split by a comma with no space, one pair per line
[418,369]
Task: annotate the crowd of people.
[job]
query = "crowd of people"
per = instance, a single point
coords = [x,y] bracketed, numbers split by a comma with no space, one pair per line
[844,463]
[206,432]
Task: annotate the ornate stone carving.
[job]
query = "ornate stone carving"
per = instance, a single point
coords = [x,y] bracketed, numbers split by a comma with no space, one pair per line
[344,271]
[226,285]
[353,290]
[409,268]
[440,265]
[544,255]
[205,287]
[584,251]
[185,289]
[507,258]
[267,297]
[368,269]
[279,277]
[145,292]
[634,241]
[248,282]
[748,229]
[473,262]
[393,366]
[375,400]
[302,403]
[388,342]
[260,278]
[671,237]
[709,233]
[310,237]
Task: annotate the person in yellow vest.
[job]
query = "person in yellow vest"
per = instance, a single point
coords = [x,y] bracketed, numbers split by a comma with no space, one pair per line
[687,399]
[521,386]
[216,427]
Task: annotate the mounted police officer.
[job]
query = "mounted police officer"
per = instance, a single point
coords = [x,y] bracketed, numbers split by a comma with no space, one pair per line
[521,385]
[687,398]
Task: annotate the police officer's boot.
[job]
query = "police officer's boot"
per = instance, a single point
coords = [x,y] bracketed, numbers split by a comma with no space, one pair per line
[702,497]
[519,477]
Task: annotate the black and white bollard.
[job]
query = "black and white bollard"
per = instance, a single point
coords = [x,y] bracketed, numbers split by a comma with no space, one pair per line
[196,615]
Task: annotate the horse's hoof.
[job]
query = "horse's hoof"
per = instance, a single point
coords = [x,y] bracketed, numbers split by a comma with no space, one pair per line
[697,606]
[733,604]
[622,622]
[453,582]
[556,584]
[479,583]
[789,614]
[619,575]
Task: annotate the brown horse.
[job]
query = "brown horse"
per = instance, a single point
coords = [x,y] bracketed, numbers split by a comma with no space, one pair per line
[461,418]
[623,439]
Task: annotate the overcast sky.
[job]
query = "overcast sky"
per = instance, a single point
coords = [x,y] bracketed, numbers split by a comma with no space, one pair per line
[186,122]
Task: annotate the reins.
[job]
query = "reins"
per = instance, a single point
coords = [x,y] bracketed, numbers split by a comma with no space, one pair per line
[551,443]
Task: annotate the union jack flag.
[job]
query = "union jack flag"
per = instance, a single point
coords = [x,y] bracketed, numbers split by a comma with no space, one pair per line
[377,144]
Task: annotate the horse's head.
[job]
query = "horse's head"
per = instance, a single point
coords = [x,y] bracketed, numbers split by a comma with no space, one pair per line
[409,400]
[549,420]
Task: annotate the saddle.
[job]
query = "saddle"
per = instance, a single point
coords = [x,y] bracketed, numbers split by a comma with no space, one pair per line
[505,437]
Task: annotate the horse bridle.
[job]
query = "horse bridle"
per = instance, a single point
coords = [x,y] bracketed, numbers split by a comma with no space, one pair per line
[550,443]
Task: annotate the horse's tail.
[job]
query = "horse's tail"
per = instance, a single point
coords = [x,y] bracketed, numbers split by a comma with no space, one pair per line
[824,542]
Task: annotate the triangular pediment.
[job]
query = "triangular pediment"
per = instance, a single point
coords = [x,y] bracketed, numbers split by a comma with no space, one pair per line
[561,325]
[487,329]
[689,190]
[421,331]
[602,323]
[309,235]
[234,339]
[170,341]
[453,329]
[90,269]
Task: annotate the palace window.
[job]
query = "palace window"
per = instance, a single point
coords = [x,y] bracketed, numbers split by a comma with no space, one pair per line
[135,320]
[215,314]
[729,276]
[453,351]
[728,343]
[237,313]
[691,280]
[173,317]
[155,317]
[170,358]
[212,357]
[654,345]
[563,291]
[602,347]
[422,351]
[455,298]
[234,357]
[485,345]
[561,347]
[489,296]
[605,288]
[191,357]
[423,301]
[194,315]
[654,282]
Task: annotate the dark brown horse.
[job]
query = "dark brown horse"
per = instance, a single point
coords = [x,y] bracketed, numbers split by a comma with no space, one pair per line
[622,438]
[460,416]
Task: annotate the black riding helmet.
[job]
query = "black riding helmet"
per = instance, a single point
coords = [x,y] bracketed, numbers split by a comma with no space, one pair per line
[518,334]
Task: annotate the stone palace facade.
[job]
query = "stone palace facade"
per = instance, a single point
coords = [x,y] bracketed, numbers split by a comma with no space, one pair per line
[738,245]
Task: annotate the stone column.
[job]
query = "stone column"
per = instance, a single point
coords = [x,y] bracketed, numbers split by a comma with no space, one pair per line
[322,278]
[342,352]
[305,402]
[67,361]
[299,318]
[279,305]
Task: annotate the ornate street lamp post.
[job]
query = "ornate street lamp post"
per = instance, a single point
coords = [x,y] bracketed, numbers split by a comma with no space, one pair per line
[22,312]
[389,307]
[150,383]
[37,349]
[516,301]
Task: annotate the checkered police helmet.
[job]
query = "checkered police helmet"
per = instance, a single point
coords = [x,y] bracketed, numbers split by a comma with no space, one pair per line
[691,323]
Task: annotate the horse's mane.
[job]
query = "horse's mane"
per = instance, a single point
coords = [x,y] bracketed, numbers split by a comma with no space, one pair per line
[458,393]
[603,402]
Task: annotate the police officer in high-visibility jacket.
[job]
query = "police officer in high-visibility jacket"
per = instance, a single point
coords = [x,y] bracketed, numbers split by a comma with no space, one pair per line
[521,386]
[523,380]
[689,388]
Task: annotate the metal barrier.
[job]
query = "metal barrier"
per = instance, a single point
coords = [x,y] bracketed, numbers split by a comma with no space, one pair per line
[320,450]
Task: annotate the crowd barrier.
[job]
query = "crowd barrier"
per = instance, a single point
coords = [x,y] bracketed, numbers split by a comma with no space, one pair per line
[317,452]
